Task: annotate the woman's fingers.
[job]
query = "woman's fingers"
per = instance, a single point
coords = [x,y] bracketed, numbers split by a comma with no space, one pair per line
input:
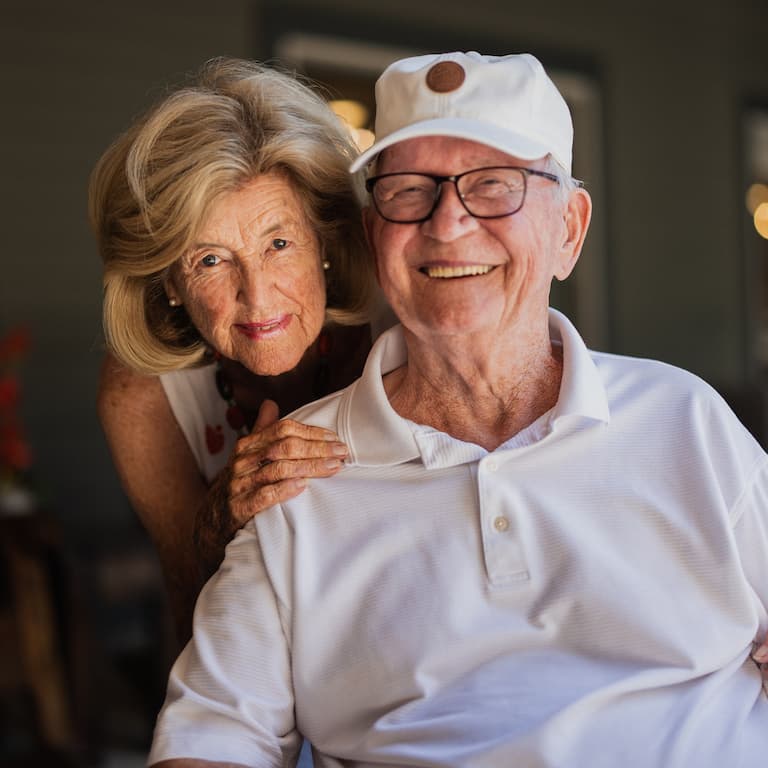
[760,656]
[268,414]
[273,463]
[252,453]
[255,500]
[275,472]
[287,428]
[303,448]
[299,455]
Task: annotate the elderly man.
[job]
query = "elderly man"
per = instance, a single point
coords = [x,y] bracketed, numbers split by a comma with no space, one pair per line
[537,555]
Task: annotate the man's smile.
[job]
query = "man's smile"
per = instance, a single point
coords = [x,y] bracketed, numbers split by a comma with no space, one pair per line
[468,270]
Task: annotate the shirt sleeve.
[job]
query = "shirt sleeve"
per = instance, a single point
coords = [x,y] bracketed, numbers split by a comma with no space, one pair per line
[230,693]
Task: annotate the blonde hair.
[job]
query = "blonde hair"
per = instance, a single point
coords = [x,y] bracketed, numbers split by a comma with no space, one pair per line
[151,188]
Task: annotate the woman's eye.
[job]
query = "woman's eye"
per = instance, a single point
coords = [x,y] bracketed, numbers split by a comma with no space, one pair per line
[279,243]
[210,260]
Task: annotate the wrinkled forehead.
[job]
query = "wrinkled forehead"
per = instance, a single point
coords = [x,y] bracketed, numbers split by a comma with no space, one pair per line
[443,155]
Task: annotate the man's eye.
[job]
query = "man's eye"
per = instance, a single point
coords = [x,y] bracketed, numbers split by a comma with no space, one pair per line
[210,260]
[413,190]
[490,182]
[412,195]
[279,243]
[402,189]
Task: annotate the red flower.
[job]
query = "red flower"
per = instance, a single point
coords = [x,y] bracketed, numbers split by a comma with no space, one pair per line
[9,392]
[15,453]
[14,345]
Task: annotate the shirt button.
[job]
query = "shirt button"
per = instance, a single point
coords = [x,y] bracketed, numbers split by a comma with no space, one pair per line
[491,466]
[501,524]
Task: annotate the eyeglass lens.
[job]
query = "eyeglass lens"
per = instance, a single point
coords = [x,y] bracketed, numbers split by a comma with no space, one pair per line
[485,193]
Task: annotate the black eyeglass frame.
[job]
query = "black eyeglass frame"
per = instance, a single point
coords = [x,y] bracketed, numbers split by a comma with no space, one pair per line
[370,183]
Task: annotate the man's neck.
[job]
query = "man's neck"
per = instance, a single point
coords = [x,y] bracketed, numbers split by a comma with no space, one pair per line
[479,394]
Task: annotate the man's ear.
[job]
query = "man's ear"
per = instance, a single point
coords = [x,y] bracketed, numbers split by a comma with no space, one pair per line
[578,213]
[368,220]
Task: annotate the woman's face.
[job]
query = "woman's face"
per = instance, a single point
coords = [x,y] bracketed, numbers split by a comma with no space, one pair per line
[252,282]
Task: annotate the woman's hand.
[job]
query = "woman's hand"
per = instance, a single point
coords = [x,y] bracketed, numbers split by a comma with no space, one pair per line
[268,466]
[760,657]
[273,463]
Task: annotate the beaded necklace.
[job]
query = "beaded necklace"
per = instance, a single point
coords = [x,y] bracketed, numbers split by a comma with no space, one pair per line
[235,415]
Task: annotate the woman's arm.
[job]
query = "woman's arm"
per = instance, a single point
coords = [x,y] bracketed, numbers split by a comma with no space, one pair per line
[190,523]
[159,475]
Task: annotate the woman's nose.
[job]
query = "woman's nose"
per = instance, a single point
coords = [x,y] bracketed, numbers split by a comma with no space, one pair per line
[255,285]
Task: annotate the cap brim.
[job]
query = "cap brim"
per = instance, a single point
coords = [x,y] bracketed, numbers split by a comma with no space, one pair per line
[460,128]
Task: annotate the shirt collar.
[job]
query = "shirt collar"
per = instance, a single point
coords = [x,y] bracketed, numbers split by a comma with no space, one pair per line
[377,435]
[582,392]
[374,433]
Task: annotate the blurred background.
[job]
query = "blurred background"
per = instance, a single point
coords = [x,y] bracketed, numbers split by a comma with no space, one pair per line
[670,104]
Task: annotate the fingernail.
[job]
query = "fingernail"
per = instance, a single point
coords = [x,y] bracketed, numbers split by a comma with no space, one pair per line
[339,449]
[330,437]
[299,483]
[761,654]
[332,464]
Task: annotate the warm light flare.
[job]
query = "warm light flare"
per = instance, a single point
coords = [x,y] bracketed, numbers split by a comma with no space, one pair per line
[352,112]
[761,220]
[756,195]
[364,138]
[354,115]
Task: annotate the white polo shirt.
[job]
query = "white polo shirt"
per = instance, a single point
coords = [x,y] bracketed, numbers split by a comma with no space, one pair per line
[584,596]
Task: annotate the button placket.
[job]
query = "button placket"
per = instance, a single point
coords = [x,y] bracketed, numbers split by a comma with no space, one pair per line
[502,548]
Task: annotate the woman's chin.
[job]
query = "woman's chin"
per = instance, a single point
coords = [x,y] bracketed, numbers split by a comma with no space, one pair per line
[270,366]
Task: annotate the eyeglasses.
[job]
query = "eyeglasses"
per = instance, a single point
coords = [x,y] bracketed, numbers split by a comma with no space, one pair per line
[485,193]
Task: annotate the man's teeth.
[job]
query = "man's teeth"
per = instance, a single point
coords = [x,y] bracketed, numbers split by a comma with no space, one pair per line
[463,271]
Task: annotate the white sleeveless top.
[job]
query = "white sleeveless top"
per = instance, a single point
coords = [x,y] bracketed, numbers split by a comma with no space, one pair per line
[201,412]
[202,415]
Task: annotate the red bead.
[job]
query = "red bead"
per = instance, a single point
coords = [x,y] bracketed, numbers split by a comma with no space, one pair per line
[235,417]
[324,344]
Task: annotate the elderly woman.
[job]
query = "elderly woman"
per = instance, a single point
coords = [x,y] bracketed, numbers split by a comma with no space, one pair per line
[237,284]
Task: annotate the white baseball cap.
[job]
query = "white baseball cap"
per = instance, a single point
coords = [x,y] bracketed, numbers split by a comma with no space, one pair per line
[506,102]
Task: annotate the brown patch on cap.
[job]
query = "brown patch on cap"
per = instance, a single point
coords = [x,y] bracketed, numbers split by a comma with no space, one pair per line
[445,76]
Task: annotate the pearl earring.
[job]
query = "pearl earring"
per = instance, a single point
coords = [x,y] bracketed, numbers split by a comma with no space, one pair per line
[174,302]
[326,264]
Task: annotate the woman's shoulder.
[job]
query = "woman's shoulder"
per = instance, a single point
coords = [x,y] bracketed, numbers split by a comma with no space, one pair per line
[122,390]
[138,423]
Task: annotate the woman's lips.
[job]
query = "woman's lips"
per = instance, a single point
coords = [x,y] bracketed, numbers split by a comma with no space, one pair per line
[265,329]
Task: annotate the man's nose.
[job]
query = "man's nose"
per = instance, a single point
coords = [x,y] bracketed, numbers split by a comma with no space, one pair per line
[450,220]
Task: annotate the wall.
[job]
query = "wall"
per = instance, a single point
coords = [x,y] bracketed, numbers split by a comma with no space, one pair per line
[674,75]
